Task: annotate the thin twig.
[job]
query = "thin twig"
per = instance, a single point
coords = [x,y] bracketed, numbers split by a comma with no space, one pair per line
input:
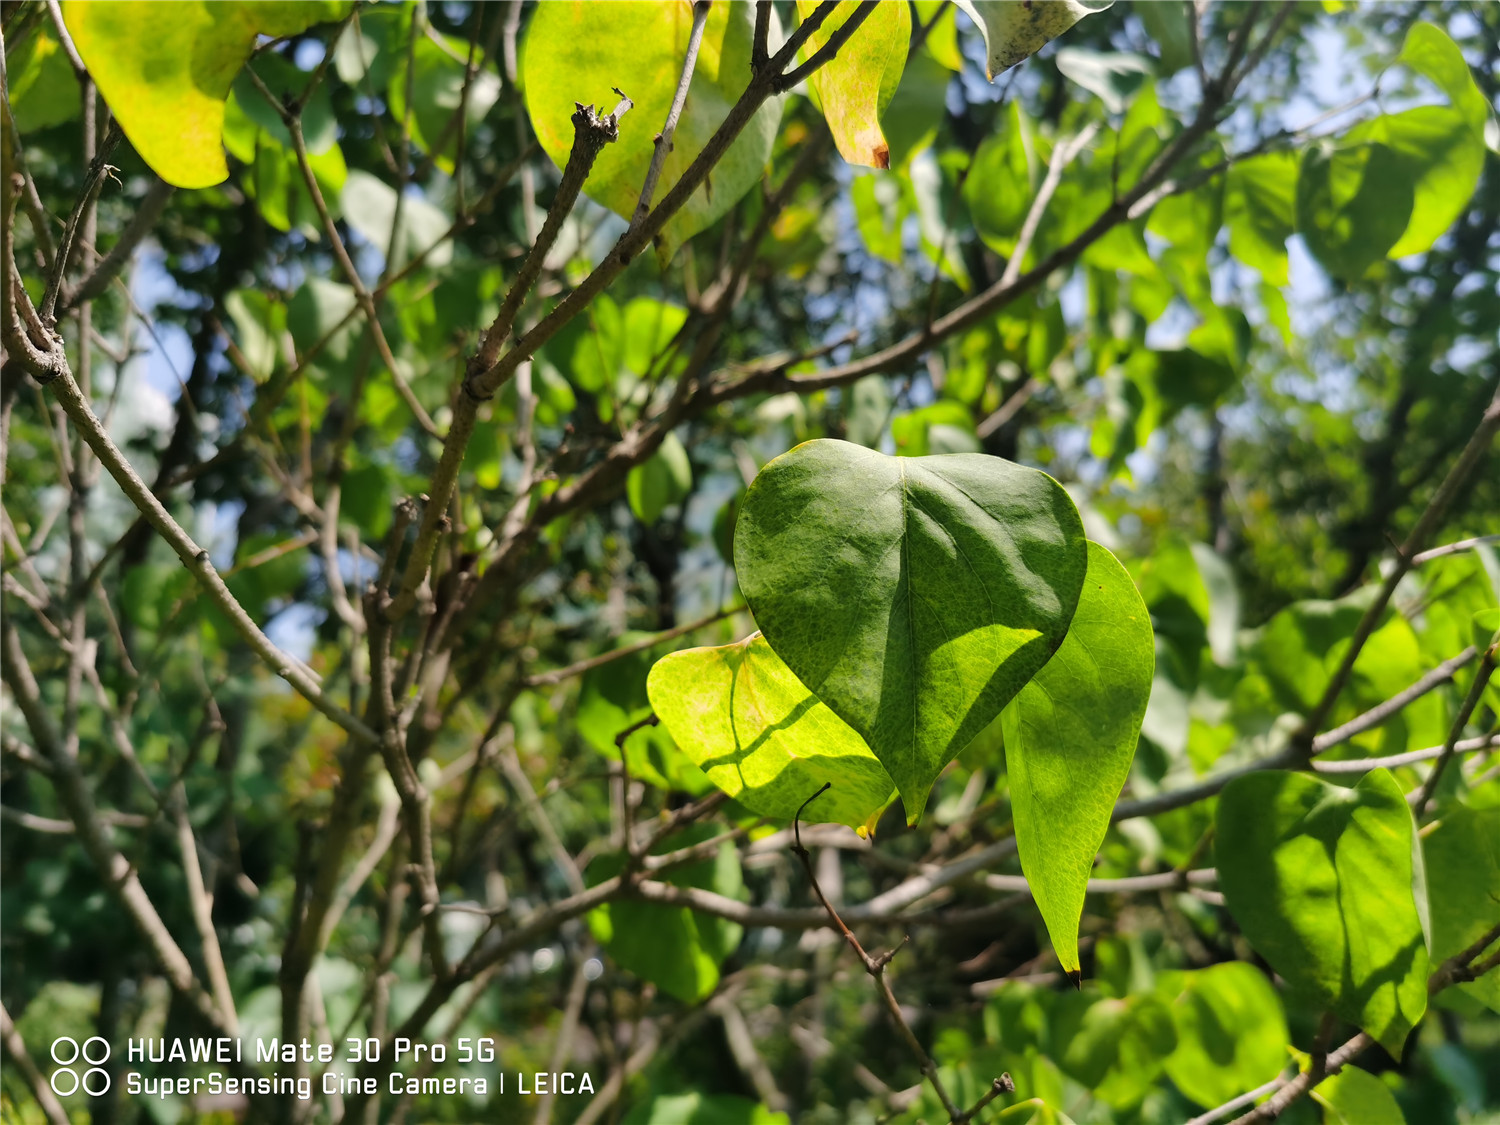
[1453,548]
[1473,453]
[1466,709]
[662,144]
[15,1047]
[557,675]
[1378,714]
[591,132]
[875,965]
[1062,156]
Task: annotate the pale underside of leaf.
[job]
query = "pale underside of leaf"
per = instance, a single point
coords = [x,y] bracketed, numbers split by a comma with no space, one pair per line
[1016,29]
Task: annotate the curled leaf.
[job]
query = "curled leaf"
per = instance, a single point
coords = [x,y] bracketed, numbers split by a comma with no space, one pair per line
[1017,29]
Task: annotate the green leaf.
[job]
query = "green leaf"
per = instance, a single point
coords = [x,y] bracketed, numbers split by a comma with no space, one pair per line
[1325,883]
[944,427]
[1260,211]
[439,64]
[370,205]
[1114,76]
[1231,1033]
[578,52]
[1443,157]
[1430,52]
[739,713]
[258,325]
[663,479]
[697,1108]
[912,118]
[1357,1097]
[678,950]
[998,188]
[1070,736]
[853,89]
[942,35]
[1016,29]
[43,90]
[1114,1046]
[1168,25]
[1353,203]
[1463,885]
[914,595]
[165,70]
[613,698]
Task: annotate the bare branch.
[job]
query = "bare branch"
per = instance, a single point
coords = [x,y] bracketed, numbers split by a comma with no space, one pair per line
[1378,714]
[147,212]
[557,675]
[15,1047]
[875,965]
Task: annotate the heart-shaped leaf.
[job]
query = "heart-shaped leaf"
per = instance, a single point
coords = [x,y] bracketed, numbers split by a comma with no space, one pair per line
[763,738]
[166,69]
[1070,736]
[1325,884]
[913,595]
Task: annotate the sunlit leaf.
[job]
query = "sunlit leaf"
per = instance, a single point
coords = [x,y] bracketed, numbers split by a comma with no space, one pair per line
[1325,883]
[1353,203]
[763,738]
[1463,885]
[1231,1033]
[1260,211]
[677,949]
[1070,736]
[166,68]
[1442,155]
[854,88]
[580,52]
[1356,1097]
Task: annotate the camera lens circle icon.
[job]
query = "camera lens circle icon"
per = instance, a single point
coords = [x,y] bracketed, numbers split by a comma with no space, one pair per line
[64,1076]
[65,1052]
[71,1042]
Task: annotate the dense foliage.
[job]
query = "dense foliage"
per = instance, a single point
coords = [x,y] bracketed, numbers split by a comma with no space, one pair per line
[821,561]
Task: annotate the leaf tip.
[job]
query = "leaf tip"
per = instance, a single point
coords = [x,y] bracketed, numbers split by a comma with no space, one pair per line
[1076,976]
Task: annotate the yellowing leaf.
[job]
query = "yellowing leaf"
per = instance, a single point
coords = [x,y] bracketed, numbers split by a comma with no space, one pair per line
[763,738]
[165,69]
[854,87]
